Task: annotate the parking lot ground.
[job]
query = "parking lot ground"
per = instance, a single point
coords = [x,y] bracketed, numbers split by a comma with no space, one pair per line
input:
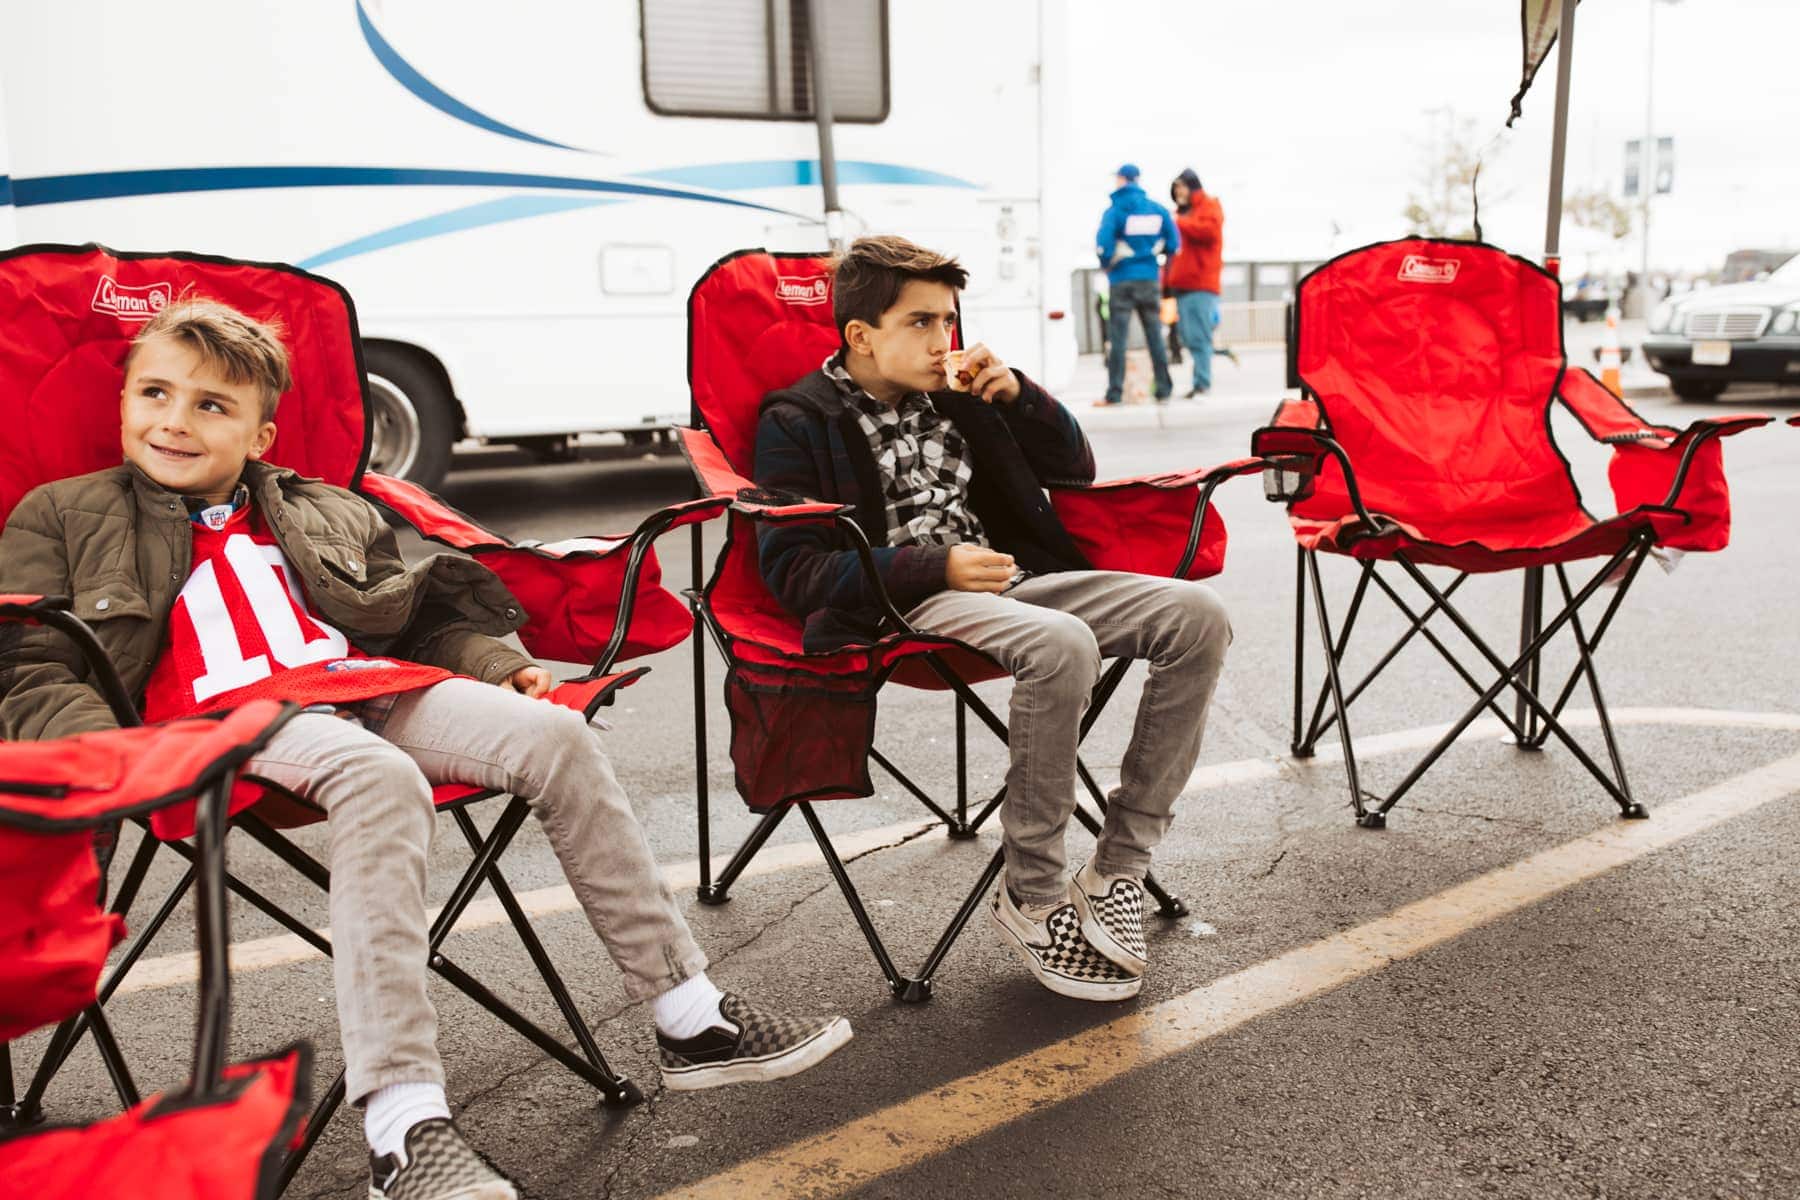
[1508,992]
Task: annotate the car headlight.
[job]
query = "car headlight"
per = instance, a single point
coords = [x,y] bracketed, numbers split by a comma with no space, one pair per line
[1784,321]
[1661,317]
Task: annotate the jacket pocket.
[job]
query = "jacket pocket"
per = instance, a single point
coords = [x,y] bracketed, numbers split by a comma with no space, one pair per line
[110,600]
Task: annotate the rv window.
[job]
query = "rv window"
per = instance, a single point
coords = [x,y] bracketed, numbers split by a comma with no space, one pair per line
[748,58]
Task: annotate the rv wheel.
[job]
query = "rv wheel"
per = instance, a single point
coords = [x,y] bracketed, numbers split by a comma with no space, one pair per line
[412,419]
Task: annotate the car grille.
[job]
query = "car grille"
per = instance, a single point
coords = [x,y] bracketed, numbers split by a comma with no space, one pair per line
[1728,323]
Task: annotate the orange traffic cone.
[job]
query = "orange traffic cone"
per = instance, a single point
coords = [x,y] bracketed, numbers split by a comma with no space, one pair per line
[1609,352]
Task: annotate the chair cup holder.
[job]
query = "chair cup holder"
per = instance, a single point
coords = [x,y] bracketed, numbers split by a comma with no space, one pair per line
[1287,478]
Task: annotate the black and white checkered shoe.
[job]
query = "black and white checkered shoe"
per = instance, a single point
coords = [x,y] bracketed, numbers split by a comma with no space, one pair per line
[1058,955]
[438,1165]
[755,1047]
[1112,916]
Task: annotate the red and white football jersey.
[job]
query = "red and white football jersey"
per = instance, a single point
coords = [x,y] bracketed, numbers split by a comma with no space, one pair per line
[241,630]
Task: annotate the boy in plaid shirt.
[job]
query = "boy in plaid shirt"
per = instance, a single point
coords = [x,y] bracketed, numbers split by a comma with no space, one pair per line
[944,459]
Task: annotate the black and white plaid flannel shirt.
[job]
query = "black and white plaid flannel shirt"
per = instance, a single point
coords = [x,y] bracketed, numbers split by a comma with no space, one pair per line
[923,462]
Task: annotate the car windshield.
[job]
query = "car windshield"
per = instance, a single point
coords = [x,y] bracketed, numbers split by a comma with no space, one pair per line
[1787,272]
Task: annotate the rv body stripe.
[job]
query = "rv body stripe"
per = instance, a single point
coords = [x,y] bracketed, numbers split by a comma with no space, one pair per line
[408,77]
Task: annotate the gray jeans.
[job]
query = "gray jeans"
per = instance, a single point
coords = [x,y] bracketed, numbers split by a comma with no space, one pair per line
[1051,632]
[375,787]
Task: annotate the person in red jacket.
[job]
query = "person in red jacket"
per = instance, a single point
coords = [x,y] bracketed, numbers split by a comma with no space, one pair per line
[1192,275]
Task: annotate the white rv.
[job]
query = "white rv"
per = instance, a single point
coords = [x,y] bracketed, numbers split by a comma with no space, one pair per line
[520,196]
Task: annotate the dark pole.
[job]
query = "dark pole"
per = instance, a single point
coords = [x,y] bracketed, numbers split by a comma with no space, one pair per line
[1559,139]
[821,100]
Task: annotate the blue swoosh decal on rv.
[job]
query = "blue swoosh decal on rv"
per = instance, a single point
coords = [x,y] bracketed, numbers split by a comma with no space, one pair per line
[798,172]
[491,212]
[111,185]
[6,190]
[408,77]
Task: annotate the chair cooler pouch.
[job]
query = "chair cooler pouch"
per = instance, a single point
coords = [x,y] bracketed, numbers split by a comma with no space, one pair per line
[570,589]
[228,1146]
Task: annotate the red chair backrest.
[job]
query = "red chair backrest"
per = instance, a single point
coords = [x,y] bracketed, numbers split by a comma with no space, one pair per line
[1435,363]
[757,322]
[67,317]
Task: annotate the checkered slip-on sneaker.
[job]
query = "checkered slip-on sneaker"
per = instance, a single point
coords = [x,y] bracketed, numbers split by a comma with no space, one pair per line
[753,1048]
[1112,916]
[439,1165]
[1058,955]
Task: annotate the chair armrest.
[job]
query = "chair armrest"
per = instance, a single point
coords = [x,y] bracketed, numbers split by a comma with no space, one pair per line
[28,608]
[1646,470]
[716,479]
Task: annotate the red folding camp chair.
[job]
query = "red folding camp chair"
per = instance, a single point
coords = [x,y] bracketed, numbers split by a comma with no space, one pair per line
[226,1132]
[1423,437]
[802,723]
[600,600]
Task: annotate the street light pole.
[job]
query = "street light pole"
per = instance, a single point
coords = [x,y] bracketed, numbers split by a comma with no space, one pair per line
[1647,157]
[1647,160]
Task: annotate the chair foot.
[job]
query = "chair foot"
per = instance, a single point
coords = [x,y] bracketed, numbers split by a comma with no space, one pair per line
[962,832]
[1373,820]
[712,895]
[1635,812]
[912,991]
[1172,908]
[1299,751]
[1531,744]
[626,1095]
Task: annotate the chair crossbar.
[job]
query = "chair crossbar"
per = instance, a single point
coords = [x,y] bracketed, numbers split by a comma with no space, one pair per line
[1533,720]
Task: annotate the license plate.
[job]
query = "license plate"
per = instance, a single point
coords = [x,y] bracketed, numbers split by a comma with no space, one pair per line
[1712,354]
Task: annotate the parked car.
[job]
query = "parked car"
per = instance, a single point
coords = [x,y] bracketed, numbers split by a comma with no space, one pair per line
[1739,333]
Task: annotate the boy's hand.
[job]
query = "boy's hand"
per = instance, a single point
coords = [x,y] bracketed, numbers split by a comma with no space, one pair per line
[972,568]
[993,380]
[531,681]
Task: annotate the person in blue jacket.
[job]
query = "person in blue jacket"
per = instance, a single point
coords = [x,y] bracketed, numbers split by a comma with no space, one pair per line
[1134,230]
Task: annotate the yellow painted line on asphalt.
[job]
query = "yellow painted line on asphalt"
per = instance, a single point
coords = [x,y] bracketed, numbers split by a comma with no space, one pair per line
[261,954]
[857,1153]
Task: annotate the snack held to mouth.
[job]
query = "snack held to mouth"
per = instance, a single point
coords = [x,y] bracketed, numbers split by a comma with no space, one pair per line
[957,376]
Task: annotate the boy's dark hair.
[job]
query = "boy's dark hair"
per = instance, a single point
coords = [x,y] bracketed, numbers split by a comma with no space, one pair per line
[871,274]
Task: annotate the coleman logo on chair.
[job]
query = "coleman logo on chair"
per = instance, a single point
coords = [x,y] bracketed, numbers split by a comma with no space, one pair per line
[130,303]
[1416,268]
[802,291]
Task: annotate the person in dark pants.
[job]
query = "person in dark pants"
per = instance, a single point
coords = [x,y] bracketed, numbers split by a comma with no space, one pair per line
[1133,231]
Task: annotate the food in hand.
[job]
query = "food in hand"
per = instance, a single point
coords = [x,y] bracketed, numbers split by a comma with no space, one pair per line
[957,376]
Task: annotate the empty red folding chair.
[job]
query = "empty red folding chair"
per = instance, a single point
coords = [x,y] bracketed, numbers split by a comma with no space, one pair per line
[1429,369]
[802,724]
[600,600]
[227,1131]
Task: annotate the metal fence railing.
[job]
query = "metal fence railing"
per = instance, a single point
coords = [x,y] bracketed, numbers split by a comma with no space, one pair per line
[1253,297]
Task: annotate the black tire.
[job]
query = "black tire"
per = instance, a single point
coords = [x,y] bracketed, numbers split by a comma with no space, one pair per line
[1697,389]
[415,420]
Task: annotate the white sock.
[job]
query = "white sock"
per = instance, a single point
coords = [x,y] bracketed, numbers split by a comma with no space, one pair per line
[688,1008]
[392,1110]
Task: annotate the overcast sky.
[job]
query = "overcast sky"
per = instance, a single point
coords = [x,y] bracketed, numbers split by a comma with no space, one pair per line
[1302,114]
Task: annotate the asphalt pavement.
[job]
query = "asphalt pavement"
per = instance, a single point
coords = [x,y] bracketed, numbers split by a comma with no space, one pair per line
[1507,992]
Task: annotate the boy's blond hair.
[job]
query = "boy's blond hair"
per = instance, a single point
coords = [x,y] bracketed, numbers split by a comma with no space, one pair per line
[240,348]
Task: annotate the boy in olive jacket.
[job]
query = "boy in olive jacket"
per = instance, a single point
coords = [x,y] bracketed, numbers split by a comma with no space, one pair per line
[211,577]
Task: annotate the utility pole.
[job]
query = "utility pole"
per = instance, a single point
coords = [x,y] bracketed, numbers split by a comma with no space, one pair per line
[816,54]
[1647,157]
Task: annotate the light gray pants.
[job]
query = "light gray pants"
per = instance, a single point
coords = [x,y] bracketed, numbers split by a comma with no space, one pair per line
[375,786]
[1051,632]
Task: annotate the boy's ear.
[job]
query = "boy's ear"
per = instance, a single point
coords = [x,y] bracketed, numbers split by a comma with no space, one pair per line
[265,437]
[856,336]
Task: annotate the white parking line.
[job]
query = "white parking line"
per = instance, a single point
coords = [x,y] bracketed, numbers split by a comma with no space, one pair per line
[259,954]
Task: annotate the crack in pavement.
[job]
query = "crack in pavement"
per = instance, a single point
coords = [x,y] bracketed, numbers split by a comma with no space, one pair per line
[792,908]
[1447,812]
[639,1129]
[1270,870]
